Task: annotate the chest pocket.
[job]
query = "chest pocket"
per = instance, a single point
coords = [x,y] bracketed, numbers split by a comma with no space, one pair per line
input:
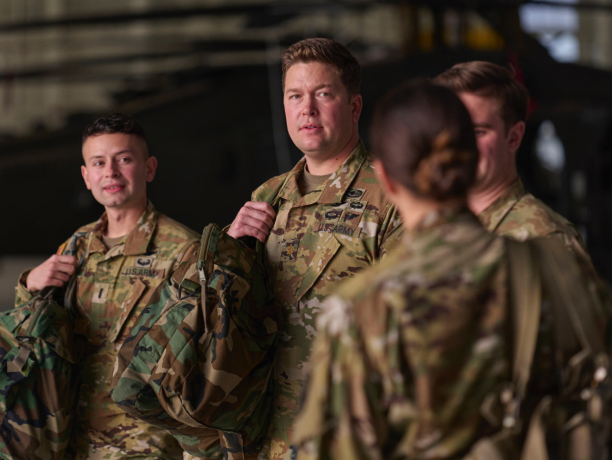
[318,264]
[131,299]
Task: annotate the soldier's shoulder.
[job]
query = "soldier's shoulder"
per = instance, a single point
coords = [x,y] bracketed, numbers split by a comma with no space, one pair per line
[177,231]
[531,218]
[366,180]
[370,280]
[262,192]
[86,228]
[366,171]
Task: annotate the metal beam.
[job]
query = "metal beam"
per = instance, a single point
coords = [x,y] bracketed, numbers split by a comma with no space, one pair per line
[262,9]
[280,8]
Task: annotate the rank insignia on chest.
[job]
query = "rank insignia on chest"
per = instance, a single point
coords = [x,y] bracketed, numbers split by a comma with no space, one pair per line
[290,249]
[354,194]
[100,292]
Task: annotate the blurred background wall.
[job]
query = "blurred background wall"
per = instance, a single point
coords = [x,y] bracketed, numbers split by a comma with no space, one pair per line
[203,78]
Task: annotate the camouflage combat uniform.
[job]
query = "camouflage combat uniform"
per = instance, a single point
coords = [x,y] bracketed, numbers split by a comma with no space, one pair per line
[114,285]
[317,241]
[408,350]
[520,216]
[409,347]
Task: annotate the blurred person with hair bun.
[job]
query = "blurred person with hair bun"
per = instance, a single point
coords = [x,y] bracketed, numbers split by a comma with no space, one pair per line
[409,349]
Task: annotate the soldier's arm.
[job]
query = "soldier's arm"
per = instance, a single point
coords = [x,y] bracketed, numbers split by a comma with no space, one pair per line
[255,218]
[22,295]
[54,271]
[390,232]
[337,419]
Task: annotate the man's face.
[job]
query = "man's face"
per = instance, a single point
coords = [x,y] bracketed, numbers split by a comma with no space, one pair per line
[321,116]
[497,144]
[115,170]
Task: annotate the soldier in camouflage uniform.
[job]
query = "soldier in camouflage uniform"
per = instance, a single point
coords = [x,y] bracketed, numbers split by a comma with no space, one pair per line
[408,350]
[130,251]
[332,219]
[498,106]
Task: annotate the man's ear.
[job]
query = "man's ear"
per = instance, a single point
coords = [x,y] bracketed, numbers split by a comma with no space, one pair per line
[356,106]
[85,177]
[515,136]
[388,185]
[151,166]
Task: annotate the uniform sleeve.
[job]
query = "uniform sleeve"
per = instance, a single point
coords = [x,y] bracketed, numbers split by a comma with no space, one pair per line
[390,232]
[339,417]
[22,294]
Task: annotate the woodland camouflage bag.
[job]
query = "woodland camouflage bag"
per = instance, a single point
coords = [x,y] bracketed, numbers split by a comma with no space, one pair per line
[38,380]
[199,360]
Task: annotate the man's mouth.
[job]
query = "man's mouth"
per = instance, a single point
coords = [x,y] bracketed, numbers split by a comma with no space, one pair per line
[114,188]
[310,127]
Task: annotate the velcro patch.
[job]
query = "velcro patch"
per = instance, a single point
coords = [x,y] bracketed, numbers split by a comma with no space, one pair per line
[333,215]
[100,292]
[342,229]
[354,194]
[144,262]
[357,206]
[350,217]
[148,272]
[290,249]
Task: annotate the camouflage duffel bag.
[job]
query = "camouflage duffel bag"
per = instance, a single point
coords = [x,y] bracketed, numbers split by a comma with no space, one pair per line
[38,379]
[199,359]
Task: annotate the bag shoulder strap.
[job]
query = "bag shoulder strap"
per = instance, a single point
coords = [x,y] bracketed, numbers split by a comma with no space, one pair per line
[526,302]
[571,302]
[526,299]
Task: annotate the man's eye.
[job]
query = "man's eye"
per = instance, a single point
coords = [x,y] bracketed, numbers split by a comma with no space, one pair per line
[325,94]
[97,163]
[479,132]
[124,160]
[294,96]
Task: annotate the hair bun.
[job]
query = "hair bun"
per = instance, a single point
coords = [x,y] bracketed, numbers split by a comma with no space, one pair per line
[437,175]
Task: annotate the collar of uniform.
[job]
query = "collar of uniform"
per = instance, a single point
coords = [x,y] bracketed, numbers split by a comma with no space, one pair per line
[334,187]
[134,243]
[439,218]
[492,217]
[338,183]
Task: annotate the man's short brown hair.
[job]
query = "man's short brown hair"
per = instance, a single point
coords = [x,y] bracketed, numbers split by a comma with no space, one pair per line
[326,51]
[115,123]
[489,80]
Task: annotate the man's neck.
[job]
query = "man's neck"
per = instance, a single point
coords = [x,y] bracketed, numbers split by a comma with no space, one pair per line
[331,164]
[479,200]
[122,221]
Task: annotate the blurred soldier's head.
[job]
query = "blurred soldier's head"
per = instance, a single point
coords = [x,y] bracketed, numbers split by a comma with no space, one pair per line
[498,107]
[321,84]
[422,135]
[117,162]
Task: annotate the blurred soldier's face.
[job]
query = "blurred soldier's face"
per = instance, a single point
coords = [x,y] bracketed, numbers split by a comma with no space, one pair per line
[321,116]
[497,144]
[116,171]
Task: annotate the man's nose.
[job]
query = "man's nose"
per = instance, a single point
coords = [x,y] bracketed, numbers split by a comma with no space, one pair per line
[112,169]
[310,106]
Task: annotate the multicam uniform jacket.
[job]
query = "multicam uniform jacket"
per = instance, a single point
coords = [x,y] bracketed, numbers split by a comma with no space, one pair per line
[520,216]
[408,349]
[317,240]
[114,285]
